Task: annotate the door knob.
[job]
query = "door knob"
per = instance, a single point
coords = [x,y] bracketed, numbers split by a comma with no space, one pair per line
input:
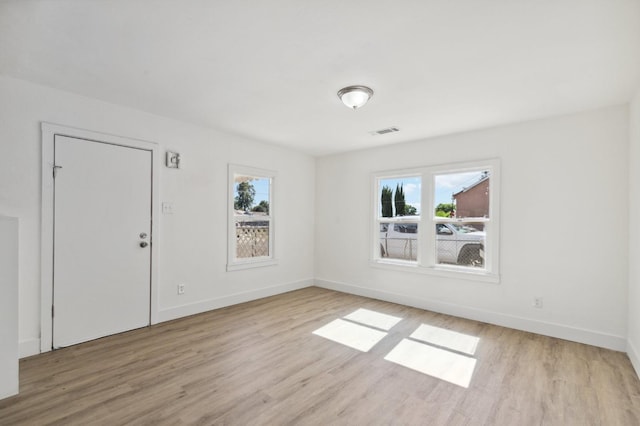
[143,244]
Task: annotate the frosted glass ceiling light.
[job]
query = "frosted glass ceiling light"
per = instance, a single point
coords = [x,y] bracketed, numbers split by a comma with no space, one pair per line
[355,96]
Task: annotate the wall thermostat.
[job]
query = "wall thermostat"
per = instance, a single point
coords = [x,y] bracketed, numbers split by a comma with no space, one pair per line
[173,160]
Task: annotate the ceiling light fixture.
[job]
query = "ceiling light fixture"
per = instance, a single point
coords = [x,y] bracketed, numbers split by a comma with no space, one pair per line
[355,96]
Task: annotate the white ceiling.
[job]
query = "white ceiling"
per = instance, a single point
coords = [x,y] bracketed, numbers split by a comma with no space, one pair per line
[270,70]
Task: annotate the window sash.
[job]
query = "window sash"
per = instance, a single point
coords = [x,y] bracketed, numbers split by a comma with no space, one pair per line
[406,174]
[464,251]
[397,246]
[254,239]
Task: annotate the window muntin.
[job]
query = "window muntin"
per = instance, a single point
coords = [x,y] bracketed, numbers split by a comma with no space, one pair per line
[460,235]
[251,217]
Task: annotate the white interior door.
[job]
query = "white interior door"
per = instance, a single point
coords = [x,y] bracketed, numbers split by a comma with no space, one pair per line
[102,221]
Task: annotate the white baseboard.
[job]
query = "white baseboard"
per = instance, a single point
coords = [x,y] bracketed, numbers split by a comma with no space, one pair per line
[233,299]
[574,334]
[29,347]
[632,353]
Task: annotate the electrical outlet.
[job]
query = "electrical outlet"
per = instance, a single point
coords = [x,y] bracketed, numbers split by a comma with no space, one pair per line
[537,302]
[180,288]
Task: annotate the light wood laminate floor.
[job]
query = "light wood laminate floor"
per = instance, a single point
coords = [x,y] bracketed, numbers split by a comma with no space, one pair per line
[259,363]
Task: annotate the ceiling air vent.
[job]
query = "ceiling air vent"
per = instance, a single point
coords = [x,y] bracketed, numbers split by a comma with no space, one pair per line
[384,131]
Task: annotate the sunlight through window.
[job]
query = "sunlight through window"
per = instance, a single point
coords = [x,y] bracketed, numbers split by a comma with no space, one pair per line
[373,319]
[439,363]
[435,351]
[446,338]
[361,331]
[352,335]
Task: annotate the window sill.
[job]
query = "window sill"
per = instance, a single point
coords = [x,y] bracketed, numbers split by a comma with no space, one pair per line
[250,264]
[456,272]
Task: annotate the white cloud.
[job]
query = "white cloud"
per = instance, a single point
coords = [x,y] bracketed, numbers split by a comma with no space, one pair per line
[410,188]
[457,181]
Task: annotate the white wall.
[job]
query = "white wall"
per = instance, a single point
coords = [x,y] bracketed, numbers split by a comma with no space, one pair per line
[8,306]
[564,212]
[633,343]
[192,241]
[565,201]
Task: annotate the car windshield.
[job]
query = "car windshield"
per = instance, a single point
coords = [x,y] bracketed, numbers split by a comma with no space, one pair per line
[464,229]
[406,228]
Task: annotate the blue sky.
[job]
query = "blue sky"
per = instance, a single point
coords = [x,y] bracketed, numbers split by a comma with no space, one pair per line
[261,185]
[262,190]
[445,186]
[448,184]
[411,187]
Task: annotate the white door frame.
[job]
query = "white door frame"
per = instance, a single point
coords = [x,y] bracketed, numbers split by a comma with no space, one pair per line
[49,131]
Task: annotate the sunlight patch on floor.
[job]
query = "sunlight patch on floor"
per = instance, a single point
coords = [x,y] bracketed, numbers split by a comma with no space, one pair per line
[352,335]
[439,363]
[446,338]
[444,354]
[373,319]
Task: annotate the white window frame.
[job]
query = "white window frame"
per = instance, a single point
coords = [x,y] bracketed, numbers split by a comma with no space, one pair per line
[426,257]
[234,263]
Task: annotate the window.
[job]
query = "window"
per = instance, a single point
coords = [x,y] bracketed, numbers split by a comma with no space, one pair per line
[398,217]
[250,217]
[457,234]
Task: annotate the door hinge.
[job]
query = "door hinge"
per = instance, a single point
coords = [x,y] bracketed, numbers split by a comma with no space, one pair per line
[55,170]
[52,311]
